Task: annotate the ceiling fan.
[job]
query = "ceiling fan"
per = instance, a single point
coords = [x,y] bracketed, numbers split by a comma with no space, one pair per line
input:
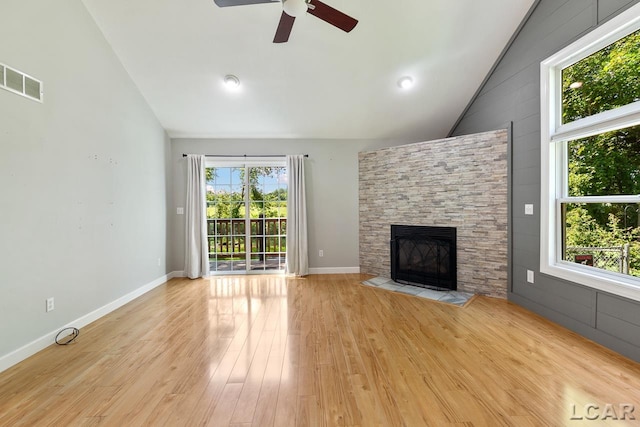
[293,8]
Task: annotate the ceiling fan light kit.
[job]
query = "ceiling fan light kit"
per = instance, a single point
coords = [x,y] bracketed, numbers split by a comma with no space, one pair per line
[296,8]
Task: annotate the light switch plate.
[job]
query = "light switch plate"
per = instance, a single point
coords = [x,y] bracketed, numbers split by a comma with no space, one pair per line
[180,211]
[530,276]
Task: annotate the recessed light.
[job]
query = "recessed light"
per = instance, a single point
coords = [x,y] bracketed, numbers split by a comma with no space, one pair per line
[231,81]
[405,82]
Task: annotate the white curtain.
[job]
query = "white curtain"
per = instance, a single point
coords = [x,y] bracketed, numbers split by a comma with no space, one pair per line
[297,250]
[196,256]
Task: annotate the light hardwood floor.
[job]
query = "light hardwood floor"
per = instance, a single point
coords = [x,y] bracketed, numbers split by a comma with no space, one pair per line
[321,350]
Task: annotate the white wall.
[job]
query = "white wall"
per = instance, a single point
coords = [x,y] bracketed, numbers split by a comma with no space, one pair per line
[332,193]
[82,176]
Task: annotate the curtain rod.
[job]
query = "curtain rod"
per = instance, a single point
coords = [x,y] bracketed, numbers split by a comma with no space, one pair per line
[245,155]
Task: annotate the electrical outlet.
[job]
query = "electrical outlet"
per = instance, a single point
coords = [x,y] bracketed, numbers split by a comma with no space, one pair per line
[159,262]
[50,304]
[529,276]
[528,209]
[321,253]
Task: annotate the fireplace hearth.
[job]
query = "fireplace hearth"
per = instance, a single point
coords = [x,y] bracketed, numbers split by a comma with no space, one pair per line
[424,256]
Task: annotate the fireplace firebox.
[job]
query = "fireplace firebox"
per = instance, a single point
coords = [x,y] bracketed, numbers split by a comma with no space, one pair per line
[424,256]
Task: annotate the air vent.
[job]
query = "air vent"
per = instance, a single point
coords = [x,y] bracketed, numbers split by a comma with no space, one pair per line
[17,82]
[14,80]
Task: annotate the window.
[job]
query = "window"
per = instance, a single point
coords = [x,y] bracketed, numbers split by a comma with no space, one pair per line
[590,204]
[246,216]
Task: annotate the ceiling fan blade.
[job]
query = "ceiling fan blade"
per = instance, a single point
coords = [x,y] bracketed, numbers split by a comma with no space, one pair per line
[332,16]
[284,28]
[226,3]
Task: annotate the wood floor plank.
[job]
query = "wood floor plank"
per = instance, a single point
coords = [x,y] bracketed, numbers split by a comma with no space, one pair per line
[315,351]
[251,342]
[224,408]
[309,413]
[268,399]
[247,402]
[286,405]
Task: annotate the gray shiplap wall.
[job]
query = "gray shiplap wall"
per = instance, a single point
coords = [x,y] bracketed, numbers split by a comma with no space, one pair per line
[511,93]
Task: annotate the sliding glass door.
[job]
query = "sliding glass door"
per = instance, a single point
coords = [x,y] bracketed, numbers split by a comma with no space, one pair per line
[246,217]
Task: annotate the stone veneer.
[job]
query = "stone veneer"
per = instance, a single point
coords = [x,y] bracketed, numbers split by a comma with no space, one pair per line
[455,182]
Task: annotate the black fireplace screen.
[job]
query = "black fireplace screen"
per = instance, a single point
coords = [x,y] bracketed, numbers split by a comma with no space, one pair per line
[424,256]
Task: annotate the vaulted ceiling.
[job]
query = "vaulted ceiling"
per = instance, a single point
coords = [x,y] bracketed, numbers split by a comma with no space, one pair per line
[322,83]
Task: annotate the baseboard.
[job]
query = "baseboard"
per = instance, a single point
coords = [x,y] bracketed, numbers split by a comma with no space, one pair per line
[46,340]
[321,270]
[334,270]
[177,273]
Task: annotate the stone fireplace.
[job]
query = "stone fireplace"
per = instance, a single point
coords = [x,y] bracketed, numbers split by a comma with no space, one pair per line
[456,182]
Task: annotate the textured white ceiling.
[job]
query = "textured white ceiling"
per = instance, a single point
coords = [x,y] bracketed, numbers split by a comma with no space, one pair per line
[323,83]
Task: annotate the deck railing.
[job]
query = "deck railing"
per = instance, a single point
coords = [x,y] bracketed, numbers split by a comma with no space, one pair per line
[228,236]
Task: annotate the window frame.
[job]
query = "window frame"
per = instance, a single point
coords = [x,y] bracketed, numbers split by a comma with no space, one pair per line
[554,140]
[244,163]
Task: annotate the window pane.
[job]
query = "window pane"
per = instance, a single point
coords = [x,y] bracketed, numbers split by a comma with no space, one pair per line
[212,211]
[238,245]
[282,210]
[238,227]
[257,244]
[257,227]
[222,227]
[257,210]
[237,210]
[223,245]
[603,81]
[603,235]
[271,227]
[222,176]
[272,244]
[271,192]
[605,164]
